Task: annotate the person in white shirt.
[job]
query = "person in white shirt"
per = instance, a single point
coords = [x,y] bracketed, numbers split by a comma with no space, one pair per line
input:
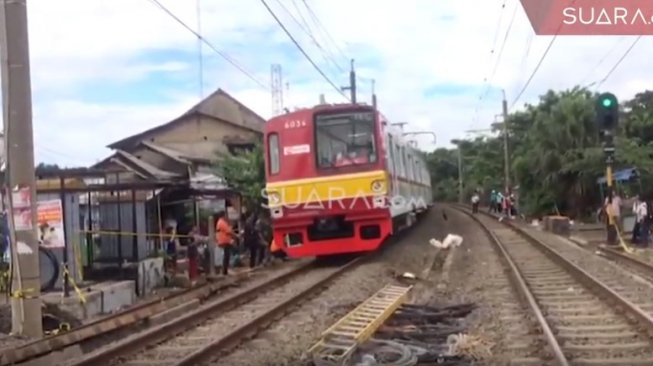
[635,236]
[475,201]
[644,216]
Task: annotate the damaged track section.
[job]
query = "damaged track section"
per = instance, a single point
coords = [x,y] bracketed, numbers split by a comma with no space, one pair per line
[576,311]
[425,335]
[205,333]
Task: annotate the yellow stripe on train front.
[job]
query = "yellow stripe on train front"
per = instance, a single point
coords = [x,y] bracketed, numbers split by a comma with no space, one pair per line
[321,189]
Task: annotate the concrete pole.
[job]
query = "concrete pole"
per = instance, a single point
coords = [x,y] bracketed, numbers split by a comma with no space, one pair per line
[460,175]
[505,142]
[211,246]
[17,106]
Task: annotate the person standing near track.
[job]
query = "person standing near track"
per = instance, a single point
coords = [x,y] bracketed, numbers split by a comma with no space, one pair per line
[643,222]
[493,201]
[475,201]
[225,236]
[251,239]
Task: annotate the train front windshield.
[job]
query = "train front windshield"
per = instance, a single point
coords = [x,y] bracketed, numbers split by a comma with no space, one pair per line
[345,139]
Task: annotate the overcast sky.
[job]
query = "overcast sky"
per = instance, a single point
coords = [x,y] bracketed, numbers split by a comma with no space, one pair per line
[103,70]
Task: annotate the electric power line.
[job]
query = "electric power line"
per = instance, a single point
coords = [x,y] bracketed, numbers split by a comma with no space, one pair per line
[503,45]
[316,20]
[302,50]
[619,62]
[494,44]
[308,32]
[589,74]
[539,63]
[211,46]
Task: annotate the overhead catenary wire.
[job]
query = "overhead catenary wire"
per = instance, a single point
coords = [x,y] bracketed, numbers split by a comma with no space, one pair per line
[327,57]
[601,61]
[539,63]
[222,54]
[632,45]
[321,26]
[299,47]
[503,46]
[494,44]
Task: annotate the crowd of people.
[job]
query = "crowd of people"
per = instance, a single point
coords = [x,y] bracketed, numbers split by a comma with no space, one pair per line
[251,236]
[642,210]
[504,204]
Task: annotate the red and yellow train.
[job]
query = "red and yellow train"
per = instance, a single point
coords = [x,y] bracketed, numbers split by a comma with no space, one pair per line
[341,179]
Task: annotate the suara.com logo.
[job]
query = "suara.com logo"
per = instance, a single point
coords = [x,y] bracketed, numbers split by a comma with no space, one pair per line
[590,17]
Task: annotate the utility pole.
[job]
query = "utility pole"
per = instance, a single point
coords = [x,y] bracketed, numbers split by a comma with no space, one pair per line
[374,104]
[460,174]
[17,107]
[505,142]
[276,80]
[352,83]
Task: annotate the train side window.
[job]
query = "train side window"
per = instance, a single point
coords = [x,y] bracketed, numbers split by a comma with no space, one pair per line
[391,162]
[273,146]
[404,165]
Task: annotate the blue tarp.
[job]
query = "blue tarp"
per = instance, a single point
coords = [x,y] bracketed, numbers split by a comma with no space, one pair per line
[623,175]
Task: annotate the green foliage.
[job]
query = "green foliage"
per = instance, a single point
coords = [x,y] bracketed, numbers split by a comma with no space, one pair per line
[244,171]
[555,154]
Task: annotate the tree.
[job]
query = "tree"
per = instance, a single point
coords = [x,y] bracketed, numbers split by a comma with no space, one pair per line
[555,153]
[244,171]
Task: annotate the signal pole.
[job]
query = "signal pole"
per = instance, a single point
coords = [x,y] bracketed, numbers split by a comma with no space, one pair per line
[374,103]
[505,142]
[17,107]
[352,83]
[460,175]
[607,112]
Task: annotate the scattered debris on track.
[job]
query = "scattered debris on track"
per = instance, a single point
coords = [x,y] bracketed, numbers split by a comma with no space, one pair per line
[422,335]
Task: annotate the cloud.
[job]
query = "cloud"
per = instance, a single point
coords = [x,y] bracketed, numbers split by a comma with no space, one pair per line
[102,70]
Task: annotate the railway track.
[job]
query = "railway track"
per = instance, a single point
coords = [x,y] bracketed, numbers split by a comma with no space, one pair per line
[632,264]
[94,334]
[204,333]
[588,318]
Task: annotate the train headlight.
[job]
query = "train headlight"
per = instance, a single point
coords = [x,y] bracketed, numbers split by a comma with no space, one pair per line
[274,198]
[378,186]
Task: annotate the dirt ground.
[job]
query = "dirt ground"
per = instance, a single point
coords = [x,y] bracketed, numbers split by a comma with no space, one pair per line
[286,341]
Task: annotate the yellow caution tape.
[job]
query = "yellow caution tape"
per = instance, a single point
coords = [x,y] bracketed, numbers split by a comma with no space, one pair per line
[611,220]
[23,294]
[78,291]
[129,233]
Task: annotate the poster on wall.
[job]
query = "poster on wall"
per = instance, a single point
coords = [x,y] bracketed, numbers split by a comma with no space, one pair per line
[50,222]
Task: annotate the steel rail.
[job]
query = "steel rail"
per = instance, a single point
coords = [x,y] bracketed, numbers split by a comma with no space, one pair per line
[594,284]
[114,322]
[626,259]
[523,290]
[160,333]
[586,278]
[235,337]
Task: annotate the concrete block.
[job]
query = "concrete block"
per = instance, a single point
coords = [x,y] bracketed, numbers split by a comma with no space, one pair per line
[559,225]
[150,275]
[118,295]
[73,305]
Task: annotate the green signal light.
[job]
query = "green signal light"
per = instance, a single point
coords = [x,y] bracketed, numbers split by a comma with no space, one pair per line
[607,102]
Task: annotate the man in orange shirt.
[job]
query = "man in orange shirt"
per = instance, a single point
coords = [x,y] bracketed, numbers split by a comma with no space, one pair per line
[224,236]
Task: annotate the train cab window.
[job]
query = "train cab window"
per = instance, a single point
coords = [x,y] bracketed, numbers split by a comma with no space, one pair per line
[345,139]
[273,147]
